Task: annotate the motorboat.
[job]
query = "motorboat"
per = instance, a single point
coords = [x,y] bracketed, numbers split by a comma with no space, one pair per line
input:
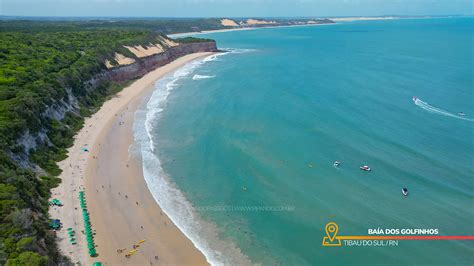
[365,168]
[336,163]
[405,191]
[461,114]
[414,98]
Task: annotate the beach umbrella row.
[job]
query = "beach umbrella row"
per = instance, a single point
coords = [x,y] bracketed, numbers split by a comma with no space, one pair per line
[87,225]
[72,236]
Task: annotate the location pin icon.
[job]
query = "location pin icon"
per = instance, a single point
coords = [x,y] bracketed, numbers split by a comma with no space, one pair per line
[331,230]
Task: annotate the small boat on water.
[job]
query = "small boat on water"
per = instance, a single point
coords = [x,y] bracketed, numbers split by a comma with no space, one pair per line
[365,168]
[405,191]
[461,114]
[336,163]
[414,98]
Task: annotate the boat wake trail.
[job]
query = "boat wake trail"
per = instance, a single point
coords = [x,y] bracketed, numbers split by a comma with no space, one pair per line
[432,109]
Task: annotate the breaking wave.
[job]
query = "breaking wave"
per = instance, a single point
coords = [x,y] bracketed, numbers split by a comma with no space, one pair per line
[204,235]
[198,77]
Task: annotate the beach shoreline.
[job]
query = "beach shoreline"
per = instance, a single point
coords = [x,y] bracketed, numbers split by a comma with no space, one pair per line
[336,21]
[122,209]
[186,34]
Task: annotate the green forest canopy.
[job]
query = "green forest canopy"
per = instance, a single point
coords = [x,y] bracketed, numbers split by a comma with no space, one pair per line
[38,61]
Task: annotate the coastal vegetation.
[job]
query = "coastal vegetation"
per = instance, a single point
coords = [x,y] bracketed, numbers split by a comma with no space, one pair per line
[45,66]
[163,26]
[192,39]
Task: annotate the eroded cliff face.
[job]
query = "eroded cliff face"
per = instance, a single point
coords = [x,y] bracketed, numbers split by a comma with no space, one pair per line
[57,111]
[147,64]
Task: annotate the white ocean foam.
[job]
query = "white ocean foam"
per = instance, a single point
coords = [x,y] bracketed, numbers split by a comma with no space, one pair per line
[432,109]
[215,57]
[239,50]
[203,235]
[212,57]
[198,77]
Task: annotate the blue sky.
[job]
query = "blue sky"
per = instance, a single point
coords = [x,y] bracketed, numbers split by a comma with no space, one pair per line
[233,8]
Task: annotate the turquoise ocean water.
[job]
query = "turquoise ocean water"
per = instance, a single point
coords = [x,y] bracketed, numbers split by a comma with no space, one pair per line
[239,148]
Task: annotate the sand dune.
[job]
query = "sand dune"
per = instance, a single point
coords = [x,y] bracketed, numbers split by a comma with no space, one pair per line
[229,23]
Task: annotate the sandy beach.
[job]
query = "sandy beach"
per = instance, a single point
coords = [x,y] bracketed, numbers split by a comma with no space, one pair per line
[122,210]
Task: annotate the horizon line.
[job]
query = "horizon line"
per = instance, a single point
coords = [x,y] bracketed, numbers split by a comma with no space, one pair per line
[6,17]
